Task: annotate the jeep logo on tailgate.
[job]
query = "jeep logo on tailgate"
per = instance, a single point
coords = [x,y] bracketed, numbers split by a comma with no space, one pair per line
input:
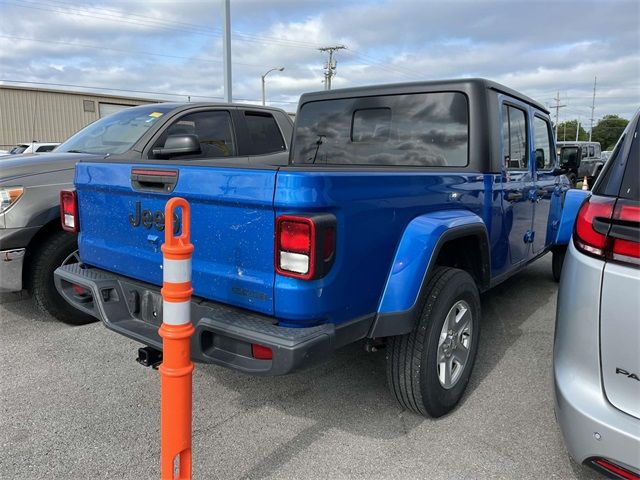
[149,219]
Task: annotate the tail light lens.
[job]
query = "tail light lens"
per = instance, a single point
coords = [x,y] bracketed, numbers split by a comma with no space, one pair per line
[305,245]
[69,210]
[609,228]
[261,352]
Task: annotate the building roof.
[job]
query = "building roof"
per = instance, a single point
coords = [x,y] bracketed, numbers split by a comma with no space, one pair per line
[84,94]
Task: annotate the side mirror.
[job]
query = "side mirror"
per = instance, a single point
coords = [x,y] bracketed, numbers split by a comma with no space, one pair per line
[179,145]
[559,171]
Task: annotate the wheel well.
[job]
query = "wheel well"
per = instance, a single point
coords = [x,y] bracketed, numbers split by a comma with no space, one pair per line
[467,253]
[34,244]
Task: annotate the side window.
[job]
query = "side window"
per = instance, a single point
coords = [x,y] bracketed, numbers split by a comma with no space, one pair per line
[213,129]
[514,138]
[45,148]
[585,151]
[371,125]
[264,133]
[542,144]
[592,151]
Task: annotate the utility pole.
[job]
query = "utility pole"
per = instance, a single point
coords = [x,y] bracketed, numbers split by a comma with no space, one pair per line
[226,48]
[557,107]
[578,129]
[330,67]
[593,106]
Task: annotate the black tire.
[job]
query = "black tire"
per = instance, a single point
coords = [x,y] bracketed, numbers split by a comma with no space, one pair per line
[556,262]
[572,179]
[412,366]
[53,250]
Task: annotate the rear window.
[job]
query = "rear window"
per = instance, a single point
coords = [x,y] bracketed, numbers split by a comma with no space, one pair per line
[621,172]
[426,129]
[630,188]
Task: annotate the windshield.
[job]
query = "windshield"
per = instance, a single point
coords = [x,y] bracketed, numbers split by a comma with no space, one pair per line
[18,149]
[568,155]
[116,133]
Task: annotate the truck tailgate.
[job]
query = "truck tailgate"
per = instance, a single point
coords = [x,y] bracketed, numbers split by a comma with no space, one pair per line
[232,225]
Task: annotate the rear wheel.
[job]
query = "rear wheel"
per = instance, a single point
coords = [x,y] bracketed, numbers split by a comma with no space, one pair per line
[556,262]
[58,249]
[572,179]
[429,368]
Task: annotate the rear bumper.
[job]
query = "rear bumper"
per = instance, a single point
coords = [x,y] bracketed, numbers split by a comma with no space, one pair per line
[223,334]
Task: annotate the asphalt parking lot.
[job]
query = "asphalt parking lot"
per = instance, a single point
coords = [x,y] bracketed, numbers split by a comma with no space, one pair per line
[75,404]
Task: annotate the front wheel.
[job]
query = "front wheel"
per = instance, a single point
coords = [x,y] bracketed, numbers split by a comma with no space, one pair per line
[429,368]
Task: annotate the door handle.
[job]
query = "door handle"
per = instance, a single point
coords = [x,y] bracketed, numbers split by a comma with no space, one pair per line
[153,180]
[514,196]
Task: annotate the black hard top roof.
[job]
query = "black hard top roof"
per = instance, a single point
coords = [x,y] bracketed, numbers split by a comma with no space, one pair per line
[395,88]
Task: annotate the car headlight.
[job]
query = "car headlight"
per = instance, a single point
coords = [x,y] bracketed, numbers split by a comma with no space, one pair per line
[9,196]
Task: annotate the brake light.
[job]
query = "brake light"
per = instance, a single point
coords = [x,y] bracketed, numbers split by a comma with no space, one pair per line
[69,210]
[305,245]
[625,232]
[610,229]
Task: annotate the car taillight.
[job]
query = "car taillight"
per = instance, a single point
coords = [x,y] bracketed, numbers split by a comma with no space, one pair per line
[625,232]
[69,210]
[609,228]
[305,245]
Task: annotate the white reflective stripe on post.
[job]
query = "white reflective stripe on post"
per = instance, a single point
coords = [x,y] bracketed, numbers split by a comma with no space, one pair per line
[176,313]
[176,271]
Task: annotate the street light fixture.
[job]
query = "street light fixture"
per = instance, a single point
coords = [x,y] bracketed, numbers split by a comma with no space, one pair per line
[263,77]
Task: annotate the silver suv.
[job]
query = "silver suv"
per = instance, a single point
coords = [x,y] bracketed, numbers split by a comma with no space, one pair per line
[596,351]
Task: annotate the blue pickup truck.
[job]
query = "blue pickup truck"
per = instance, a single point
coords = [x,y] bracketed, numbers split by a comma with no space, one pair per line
[398,206]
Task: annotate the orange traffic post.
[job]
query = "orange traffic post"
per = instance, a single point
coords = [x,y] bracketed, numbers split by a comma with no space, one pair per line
[176,330]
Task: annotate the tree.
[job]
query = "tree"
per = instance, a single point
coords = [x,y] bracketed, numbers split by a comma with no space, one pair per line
[608,130]
[567,131]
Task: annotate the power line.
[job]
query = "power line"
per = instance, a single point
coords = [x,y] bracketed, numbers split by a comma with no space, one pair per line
[96,47]
[242,37]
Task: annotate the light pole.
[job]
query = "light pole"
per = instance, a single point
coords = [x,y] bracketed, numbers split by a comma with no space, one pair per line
[263,77]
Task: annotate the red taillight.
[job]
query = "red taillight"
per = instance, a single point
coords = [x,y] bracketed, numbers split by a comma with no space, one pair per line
[625,232]
[305,245]
[609,228]
[261,352]
[615,469]
[69,210]
[295,236]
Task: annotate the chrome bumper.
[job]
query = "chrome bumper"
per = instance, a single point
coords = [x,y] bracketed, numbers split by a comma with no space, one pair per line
[11,270]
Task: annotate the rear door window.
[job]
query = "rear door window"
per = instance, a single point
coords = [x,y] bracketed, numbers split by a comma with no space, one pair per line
[213,129]
[422,129]
[264,134]
[514,138]
[542,143]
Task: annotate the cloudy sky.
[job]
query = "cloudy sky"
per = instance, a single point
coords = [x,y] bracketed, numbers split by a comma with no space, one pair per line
[175,47]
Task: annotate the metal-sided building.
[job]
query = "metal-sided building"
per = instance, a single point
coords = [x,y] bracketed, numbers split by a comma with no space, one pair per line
[42,115]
